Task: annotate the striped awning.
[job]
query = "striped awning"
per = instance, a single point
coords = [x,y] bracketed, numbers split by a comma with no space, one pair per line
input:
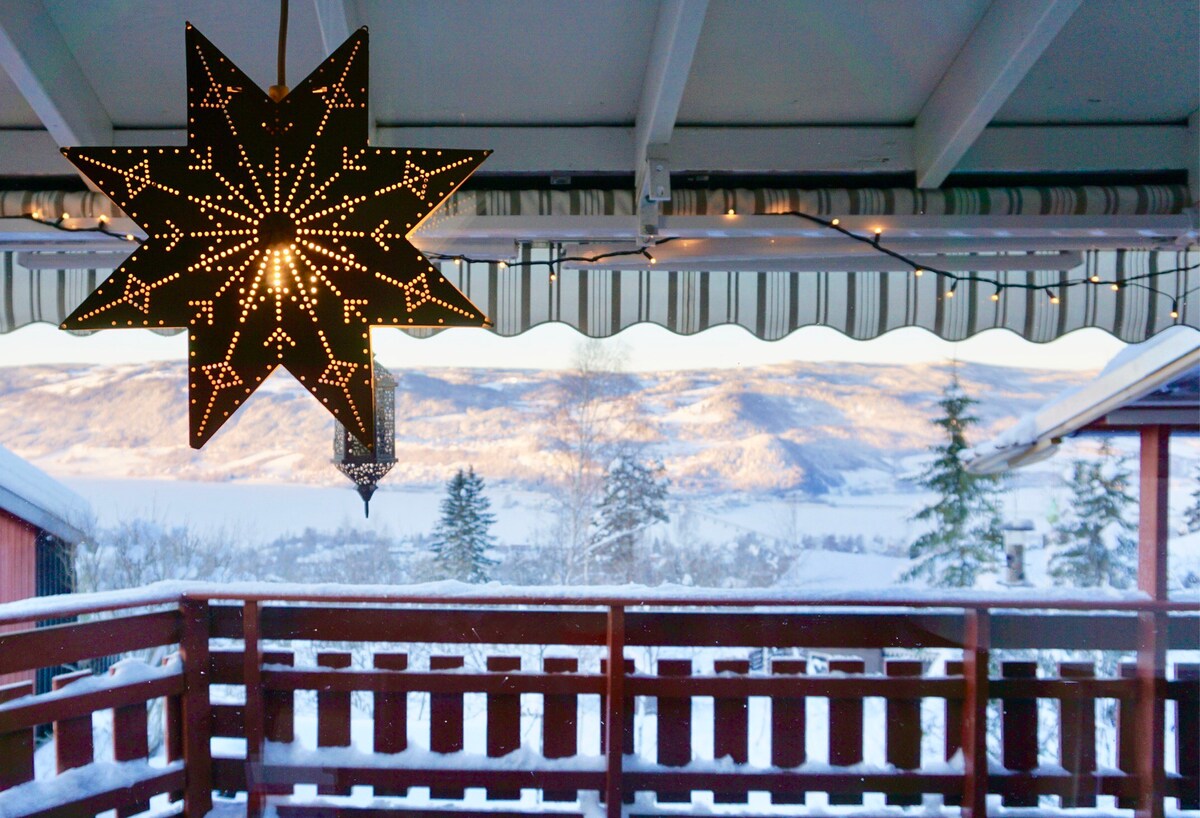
[770,304]
[863,305]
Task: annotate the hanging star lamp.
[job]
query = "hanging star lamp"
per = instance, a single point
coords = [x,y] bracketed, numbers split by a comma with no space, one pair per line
[277,237]
[366,467]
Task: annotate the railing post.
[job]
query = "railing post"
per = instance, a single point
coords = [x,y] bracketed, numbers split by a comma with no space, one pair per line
[253,711]
[1151,721]
[976,649]
[614,715]
[16,748]
[197,714]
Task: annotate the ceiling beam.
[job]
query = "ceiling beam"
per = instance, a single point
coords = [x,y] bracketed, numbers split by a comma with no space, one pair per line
[675,37]
[37,58]
[997,55]
[676,33]
[337,20]
[826,150]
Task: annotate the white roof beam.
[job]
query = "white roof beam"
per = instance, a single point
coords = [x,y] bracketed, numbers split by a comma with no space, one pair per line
[1001,49]
[37,59]
[676,33]
[675,37]
[811,149]
[337,20]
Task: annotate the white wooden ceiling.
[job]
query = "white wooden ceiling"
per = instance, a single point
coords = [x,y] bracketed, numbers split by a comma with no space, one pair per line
[908,90]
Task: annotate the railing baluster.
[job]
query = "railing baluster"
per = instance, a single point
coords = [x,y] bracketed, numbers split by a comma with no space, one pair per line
[391,717]
[1187,733]
[1077,734]
[130,743]
[72,737]
[445,722]
[173,729]
[977,643]
[731,727]
[615,708]
[788,728]
[503,722]
[953,727]
[197,714]
[674,727]
[333,716]
[1019,725]
[560,723]
[904,729]
[16,748]
[279,706]
[1127,733]
[845,729]
[252,713]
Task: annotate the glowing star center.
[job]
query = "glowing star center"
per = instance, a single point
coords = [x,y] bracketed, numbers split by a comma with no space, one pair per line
[277,229]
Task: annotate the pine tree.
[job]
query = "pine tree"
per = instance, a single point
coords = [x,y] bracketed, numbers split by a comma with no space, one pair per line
[1094,543]
[966,540]
[462,538]
[634,499]
[1191,514]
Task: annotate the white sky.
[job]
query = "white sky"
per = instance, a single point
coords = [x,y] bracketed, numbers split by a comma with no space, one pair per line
[646,347]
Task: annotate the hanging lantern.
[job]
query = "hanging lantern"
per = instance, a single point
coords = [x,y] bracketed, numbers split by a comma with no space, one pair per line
[365,467]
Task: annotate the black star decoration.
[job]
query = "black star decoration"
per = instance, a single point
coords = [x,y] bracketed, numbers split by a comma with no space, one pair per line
[277,237]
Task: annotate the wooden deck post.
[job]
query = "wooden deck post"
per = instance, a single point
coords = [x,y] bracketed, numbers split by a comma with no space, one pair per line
[976,648]
[197,713]
[1154,474]
[614,715]
[1152,633]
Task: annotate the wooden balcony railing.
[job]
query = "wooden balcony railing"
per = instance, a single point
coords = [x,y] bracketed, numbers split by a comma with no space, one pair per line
[499,692]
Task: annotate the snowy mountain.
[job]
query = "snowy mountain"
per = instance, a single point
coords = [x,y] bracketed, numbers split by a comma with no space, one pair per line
[818,428]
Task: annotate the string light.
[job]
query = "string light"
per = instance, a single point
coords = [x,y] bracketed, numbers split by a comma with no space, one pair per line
[833,224]
[1053,296]
[731,212]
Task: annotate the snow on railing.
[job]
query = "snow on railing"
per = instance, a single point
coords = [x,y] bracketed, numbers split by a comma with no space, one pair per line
[476,698]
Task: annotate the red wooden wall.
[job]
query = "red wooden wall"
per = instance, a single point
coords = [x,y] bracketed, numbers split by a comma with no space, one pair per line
[18,572]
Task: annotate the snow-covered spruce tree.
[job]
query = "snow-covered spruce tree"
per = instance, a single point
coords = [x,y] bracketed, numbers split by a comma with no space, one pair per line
[1093,542]
[634,499]
[462,536]
[1191,514]
[966,540]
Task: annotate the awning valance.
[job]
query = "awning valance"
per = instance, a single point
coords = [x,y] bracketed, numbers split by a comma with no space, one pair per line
[863,305]
[990,230]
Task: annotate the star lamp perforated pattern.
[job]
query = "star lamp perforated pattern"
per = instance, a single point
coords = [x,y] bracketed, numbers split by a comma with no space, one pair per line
[277,237]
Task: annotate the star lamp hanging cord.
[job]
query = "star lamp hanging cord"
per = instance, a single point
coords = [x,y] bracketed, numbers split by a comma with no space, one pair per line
[1052,291]
[280,90]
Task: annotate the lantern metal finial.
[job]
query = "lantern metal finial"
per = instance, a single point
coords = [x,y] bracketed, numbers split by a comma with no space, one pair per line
[366,467]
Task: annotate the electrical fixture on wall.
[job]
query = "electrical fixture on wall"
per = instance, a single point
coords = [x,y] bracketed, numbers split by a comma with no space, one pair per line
[277,237]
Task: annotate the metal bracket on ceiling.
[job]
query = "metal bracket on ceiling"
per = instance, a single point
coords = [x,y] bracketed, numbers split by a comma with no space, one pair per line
[654,187]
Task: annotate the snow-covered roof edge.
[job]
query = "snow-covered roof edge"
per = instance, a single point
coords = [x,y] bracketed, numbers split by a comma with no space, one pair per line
[1131,374]
[37,498]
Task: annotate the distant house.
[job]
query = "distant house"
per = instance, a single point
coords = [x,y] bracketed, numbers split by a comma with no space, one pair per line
[40,519]
[1151,390]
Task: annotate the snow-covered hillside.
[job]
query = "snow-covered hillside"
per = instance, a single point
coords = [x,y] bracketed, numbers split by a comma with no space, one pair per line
[807,427]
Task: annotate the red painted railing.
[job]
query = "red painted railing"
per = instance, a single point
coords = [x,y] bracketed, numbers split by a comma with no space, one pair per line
[471,660]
